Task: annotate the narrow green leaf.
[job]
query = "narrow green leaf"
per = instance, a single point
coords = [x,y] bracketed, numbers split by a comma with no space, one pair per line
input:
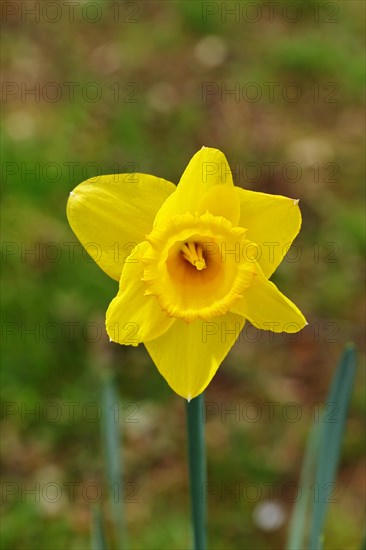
[197,469]
[321,458]
[300,514]
[98,537]
[112,444]
[332,428]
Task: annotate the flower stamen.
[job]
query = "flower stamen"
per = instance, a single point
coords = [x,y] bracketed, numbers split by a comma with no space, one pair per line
[193,253]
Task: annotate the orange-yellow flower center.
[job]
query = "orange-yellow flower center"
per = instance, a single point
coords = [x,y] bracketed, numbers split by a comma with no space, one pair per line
[196,266]
[193,253]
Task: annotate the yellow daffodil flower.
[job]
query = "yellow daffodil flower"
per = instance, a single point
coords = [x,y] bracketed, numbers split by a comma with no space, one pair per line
[192,261]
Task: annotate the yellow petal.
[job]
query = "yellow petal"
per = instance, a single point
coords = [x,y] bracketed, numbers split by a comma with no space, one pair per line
[267,308]
[272,221]
[221,200]
[188,356]
[133,317]
[110,215]
[206,169]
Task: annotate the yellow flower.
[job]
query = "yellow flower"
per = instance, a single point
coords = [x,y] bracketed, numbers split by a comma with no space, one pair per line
[193,262]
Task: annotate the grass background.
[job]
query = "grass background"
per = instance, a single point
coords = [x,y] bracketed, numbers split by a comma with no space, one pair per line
[142,86]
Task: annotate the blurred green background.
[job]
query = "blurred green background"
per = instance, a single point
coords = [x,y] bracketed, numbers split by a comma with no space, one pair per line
[141,86]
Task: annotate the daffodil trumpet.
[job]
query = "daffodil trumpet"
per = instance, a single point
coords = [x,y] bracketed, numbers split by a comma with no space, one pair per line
[193,263]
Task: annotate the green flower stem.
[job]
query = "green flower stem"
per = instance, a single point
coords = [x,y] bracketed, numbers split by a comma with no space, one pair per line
[197,469]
